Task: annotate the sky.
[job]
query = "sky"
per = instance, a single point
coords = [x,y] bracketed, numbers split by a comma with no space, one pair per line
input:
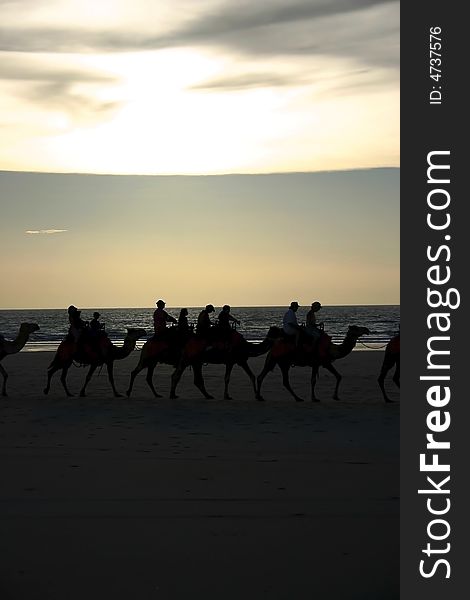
[302,97]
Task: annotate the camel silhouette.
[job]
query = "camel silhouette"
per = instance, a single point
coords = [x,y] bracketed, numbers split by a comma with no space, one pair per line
[95,355]
[285,354]
[391,359]
[13,346]
[234,350]
[158,349]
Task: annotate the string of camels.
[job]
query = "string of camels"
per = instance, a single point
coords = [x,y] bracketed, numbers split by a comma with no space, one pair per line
[194,351]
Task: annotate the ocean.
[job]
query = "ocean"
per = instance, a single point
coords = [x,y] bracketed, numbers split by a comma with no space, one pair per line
[383,322]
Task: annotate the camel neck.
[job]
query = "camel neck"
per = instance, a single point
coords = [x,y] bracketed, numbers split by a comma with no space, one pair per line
[346,347]
[11,347]
[124,350]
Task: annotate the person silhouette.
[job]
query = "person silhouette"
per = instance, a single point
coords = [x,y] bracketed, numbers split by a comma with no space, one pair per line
[183,325]
[77,325]
[161,318]
[95,326]
[204,322]
[290,325]
[225,318]
[311,327]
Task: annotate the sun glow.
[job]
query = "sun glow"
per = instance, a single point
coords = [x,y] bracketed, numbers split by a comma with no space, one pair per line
[165,125]
[165,112]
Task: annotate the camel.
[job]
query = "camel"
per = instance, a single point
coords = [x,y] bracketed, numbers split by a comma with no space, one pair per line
[105,353]
[158,349]
[285,354]
[14,346]
[391,359]
[234,351]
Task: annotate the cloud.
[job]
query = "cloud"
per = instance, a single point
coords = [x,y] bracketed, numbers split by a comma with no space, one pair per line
[45,231]
[19,68]
[305,27]
[67,90]
[247,16]
[249,80]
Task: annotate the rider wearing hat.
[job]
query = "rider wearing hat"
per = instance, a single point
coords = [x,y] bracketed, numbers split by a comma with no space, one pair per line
[290,325]
[161,318]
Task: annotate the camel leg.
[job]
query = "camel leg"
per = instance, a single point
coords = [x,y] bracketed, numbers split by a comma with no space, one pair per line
[175,378]
[268,367]
[286,382]
[134,374]
[149,380]
[110,368]
[50,372]
[313,381]
[5,377]
[63,379]
[228,370]
[251,375]
[386,366]
[329,367]
[89,375]
[199,380]
[381,382]
[396,376]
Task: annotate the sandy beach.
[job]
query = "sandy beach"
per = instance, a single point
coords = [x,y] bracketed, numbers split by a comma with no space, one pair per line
[107,497]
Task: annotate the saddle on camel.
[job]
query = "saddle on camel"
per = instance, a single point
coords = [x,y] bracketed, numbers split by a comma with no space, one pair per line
[305,348]
[87,342]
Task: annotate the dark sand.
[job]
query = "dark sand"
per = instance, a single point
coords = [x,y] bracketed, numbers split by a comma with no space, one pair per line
[140,499]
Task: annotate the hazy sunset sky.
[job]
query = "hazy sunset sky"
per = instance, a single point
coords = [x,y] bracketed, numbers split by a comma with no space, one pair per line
[212,87]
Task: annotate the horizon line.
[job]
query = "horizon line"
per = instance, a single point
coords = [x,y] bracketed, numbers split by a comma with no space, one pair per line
[94,307]
[259,173]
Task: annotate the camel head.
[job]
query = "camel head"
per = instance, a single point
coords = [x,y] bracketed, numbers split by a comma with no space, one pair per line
[29,328]
[355,332]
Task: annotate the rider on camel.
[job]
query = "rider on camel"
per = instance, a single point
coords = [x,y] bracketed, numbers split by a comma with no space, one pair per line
[204,323]
[161,318]
[312,328]
[77,325]
[96,328]
[290,325]
[225,318]
[183,324]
